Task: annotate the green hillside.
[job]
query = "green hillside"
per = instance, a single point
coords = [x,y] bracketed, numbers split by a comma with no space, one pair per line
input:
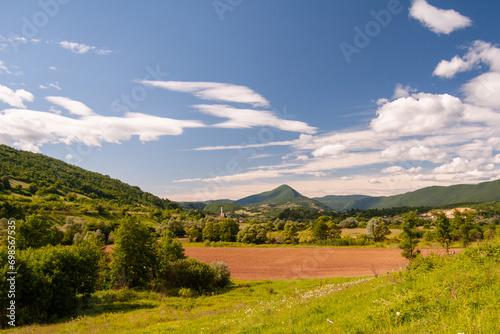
[283,192]
[341,203]
[214,208]
[43,175]
[431,196]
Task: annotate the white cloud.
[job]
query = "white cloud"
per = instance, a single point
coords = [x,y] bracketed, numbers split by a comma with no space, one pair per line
[74,107]
[419,114]
[483,90]
[213,91]
[30,129]
[3,68]
[330,150]
[399,91]
[81,48]
[448,69]
[438,20]
[51,85]
[53,68]
[457,165]
[247,118]
[15,98]
[244,146]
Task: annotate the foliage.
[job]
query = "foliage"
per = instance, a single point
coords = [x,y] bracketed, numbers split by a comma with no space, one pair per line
[463,225]
[134,256]
[253,234]
[291,234]
[47,175]
[410,236]
[35,231]
[50,281]
[222,274]
[377,229]
[325,228]
[444,231]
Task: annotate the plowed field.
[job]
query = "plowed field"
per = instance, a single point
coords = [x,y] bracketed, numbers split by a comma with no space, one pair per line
[286,263]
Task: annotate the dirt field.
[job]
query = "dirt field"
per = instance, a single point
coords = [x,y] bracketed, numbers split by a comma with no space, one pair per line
[286,263]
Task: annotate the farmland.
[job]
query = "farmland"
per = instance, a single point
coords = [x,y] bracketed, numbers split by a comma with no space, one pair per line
[289,263]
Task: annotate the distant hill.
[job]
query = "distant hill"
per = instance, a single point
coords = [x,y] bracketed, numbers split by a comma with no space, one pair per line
[434,196]
[48,175]
[214,207]
[283,192]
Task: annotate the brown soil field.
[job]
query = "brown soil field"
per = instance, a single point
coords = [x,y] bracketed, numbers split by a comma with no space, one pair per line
[288,263]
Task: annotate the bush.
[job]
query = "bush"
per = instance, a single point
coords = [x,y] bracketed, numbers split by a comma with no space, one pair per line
[50,281]
[222,274]
[187,273]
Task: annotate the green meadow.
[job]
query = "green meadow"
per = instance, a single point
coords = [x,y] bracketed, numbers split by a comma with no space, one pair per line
[436,294]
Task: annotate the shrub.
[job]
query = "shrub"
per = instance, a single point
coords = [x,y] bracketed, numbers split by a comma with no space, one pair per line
[222,274]
[187,273]
[50,280]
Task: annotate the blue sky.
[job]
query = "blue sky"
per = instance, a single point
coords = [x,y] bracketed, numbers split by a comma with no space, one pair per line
[227,98]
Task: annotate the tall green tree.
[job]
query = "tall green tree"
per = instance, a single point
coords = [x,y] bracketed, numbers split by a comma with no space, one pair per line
[410,236]
[444,231]
[463,224]
[134,256]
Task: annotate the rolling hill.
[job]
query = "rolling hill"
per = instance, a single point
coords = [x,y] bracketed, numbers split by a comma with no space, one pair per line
[42,174]
[434,196]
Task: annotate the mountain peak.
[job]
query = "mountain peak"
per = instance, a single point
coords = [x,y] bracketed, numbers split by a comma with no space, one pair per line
[282,192]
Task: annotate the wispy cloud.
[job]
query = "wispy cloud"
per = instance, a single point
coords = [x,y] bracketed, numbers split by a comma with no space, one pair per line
[247,118]
[31,129]
[81,48]
[54,85]
[213,91]
[438,20]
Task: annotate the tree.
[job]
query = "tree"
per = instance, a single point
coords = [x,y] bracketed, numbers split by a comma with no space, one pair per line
[228,229]
[410,236]
[253,234]
[377,229]
[291,234]
[349,223]
[325,228]
[463,224]
[35,231]
[134,256]
[211,231]
[444,231]
[170,249]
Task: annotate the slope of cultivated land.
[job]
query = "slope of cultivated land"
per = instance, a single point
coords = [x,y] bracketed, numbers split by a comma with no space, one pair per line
[435,294]
[288,263]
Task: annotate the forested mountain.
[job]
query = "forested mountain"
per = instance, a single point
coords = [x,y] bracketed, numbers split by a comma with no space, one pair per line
[431,196]
[283,192]
[45,175]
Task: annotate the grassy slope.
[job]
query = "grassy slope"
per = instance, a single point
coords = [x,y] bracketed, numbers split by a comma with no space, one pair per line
[449,294]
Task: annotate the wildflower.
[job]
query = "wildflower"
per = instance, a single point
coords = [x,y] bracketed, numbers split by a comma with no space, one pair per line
[398,314]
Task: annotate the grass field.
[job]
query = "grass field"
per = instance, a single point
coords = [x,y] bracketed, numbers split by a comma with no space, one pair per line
[435,294]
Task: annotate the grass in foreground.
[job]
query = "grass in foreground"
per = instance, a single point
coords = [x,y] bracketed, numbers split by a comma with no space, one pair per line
[447,294]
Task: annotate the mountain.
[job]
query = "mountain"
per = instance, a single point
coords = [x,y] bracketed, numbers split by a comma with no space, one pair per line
[38,174]
[434,196]
[283,192]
